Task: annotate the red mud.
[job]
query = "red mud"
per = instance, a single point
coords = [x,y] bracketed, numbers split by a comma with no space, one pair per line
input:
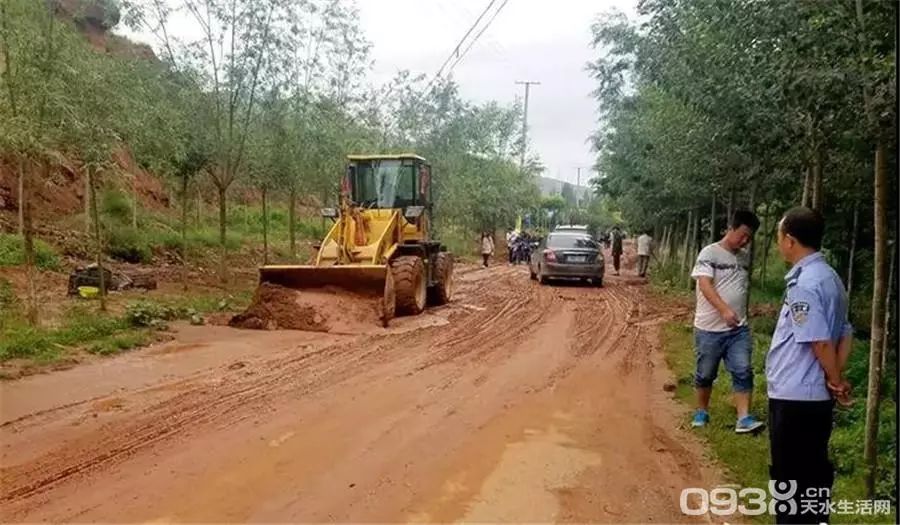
[322,310]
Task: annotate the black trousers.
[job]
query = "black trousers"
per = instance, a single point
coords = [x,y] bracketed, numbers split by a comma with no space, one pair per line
[617,257]
[798,437]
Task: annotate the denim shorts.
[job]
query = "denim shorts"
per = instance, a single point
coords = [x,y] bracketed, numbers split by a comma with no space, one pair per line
[734,347]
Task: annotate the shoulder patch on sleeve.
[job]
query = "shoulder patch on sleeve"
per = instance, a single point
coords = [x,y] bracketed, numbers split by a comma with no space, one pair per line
[800,312]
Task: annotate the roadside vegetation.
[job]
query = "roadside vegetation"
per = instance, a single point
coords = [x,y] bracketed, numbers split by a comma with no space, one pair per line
[765,105]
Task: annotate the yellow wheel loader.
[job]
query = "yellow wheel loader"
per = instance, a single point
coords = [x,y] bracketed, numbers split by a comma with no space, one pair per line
[380,243]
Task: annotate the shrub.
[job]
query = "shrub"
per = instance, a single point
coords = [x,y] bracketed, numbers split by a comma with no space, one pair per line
[115,204]
[12,253]
[154,315]
[311,228]
[128,244]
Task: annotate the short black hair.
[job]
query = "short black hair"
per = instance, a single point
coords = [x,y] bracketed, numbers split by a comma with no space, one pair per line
[745,218]
[804,224]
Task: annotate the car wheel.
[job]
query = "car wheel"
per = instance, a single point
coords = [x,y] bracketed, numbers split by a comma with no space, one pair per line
[598,282]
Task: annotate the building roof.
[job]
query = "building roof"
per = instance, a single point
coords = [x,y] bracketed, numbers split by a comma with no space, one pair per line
[386,157]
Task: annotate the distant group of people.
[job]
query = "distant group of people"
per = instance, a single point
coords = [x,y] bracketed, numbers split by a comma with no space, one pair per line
[519,245]
[613,240]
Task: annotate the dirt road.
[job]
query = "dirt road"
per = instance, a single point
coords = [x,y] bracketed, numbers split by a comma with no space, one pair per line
[517,402]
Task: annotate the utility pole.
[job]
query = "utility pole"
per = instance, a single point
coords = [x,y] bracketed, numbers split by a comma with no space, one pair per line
[578,188]
[527,84]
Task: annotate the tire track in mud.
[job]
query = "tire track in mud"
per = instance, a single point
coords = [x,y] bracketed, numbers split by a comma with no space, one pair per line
[508,308]
[235,391]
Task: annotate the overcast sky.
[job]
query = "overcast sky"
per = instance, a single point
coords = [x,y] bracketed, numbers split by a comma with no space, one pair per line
[539,40]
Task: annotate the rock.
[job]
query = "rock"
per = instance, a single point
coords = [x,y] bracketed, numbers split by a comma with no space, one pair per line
[669,387]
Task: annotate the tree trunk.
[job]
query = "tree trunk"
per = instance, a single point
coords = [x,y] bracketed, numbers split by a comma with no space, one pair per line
[664,244]
[21,199]
[199,207]
[134,202]
[807,182]
[31,311]
[876,342]
[887,309]
[265,218]
[184,219]
[695,239]
[767,242]
[87,201]
[686,245]
[95,213]
[223,218]
[751,203]
[292,221]
[818,193]
[852,250]
[712,220]
[730,210]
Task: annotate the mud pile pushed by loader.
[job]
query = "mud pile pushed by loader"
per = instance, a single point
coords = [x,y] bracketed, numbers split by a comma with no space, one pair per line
[333,310]
[377,261]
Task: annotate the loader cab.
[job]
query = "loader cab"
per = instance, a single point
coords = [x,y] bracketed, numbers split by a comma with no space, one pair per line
[388,181]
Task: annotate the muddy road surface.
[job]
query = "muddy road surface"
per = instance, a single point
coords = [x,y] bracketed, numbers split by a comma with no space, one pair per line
[516,402]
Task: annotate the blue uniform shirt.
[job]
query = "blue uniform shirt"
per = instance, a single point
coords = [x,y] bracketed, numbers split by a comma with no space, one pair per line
[814,309]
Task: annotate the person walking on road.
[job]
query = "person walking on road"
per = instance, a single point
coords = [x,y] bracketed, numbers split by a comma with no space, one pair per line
[487,247]
[644,249]
[512,237]
[615,239]
[720,320]
[804,367]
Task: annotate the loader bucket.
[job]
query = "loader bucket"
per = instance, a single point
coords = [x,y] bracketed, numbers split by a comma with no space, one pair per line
[373,280]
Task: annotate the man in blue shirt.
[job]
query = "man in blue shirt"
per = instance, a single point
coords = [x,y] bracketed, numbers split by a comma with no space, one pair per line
[804,369]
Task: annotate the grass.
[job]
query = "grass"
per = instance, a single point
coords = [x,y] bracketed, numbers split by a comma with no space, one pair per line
[12,253]
[79,326]
[746,458]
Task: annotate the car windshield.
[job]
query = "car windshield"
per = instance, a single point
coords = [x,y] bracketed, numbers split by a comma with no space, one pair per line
[384,183]
[570,241]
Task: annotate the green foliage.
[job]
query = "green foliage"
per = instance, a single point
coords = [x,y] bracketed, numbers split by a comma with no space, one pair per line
[12,253]
[118,343]
[150,314]
[746,460]
[116,205]
[128,244]
[80,325]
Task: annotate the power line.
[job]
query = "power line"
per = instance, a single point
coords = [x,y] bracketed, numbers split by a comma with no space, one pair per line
[455,51]
[483,29]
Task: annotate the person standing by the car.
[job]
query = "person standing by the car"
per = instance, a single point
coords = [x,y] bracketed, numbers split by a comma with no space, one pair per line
[512,237]
[487,247]
[720,320]
[804,366]
[644,247]
[615,239]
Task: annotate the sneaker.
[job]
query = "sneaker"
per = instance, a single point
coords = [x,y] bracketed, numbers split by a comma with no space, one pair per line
[701,418]
[748,424]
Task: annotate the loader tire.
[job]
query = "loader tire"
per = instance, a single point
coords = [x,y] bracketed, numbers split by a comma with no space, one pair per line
[442,290]
[410,286]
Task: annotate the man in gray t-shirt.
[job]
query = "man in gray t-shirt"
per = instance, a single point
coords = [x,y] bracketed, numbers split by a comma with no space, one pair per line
[720,320]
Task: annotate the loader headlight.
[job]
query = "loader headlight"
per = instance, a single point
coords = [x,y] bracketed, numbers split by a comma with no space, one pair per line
[413,212]
[331,213]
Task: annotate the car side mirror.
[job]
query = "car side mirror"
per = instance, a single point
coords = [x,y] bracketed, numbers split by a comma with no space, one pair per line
[330,213]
